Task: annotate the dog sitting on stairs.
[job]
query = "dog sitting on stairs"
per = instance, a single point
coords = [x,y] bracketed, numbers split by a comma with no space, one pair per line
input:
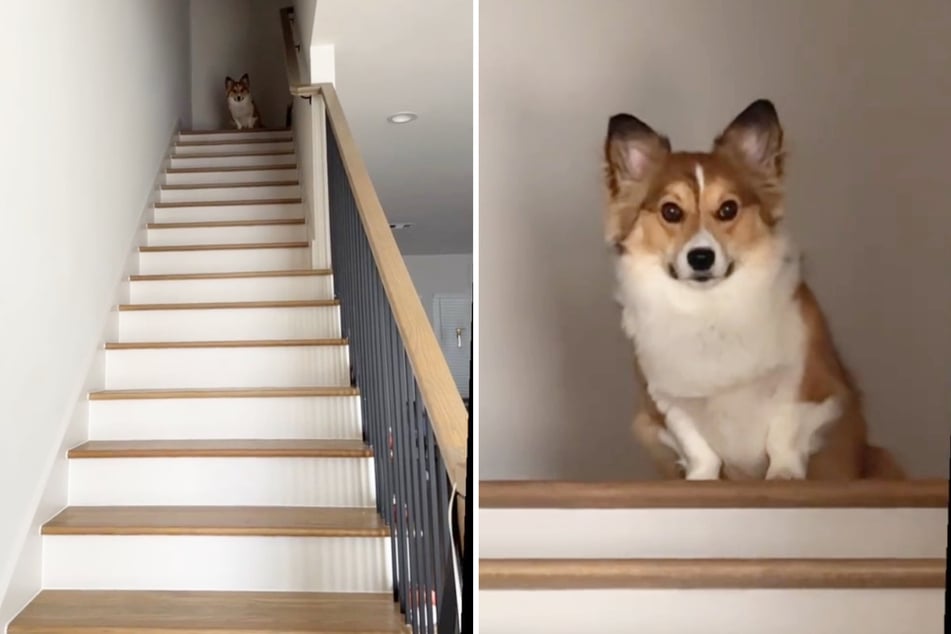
[244,113]
[741,378]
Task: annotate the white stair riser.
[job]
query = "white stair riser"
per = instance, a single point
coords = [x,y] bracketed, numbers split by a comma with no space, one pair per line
[274,144]
[240,176]
[231,161]
[302,564]
[234,135]
[229,212]
[239,289]
[223,261]
[647,533]
[309,322]
[226,235]
[221,481]
[214,418]
[717,611]
[284,366]
[229,193]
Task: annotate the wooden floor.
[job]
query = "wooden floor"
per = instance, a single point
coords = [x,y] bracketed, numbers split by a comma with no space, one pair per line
[116,612]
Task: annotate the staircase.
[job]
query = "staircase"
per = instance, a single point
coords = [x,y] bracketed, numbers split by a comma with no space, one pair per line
[713,557]
[225,486]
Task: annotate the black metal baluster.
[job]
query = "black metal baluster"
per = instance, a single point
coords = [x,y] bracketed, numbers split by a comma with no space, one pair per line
[466,586]
[419,511]
[409,474]
[402,434]
[386,384]
[436,535]
[420,507]
[447,599]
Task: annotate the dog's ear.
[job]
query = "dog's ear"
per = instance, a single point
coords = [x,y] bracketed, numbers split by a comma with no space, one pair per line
[633,153]
[632,150]
[228,83]
[245,80]
[754,139]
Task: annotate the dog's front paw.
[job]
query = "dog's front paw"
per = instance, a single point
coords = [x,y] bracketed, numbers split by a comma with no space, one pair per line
[786,470]
[703,471]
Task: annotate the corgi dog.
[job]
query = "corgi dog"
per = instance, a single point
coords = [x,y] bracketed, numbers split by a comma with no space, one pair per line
[244,114]
[740,376]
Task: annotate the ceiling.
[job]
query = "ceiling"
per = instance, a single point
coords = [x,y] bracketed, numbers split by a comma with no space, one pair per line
[411,55]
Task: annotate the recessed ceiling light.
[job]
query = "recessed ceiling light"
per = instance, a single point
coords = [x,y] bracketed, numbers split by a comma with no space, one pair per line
[400,225]
[402,117]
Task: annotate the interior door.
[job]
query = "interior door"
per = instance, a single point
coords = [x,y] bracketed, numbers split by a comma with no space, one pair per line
[452,321]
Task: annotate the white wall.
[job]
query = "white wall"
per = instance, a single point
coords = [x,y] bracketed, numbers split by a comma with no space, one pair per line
[446,273]
[864,91]
[233,37]
[92,94]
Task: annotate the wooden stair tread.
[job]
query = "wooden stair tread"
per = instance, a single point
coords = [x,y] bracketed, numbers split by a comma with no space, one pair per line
[291,303]
[290,521]
[244,392]
[231,185]
[231,343]
[226,223]
[165,277]
[739,494]
[222,448]
[230,203]
[226,247]
[244,153]
[230,168]
[284,139]
[231,131]
[231,154]
[157,612]
[563,574]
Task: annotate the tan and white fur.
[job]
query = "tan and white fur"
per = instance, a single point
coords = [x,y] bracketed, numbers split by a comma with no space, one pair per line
[244,113]
[741,378]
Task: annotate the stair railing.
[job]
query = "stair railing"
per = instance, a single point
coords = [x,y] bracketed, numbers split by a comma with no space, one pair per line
[413,415]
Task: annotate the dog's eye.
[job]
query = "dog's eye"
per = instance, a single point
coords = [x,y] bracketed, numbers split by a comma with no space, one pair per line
[671,213]
[728,210]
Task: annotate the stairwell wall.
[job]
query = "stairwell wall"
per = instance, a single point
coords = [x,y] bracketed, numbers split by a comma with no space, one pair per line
[93,92]
[228,38]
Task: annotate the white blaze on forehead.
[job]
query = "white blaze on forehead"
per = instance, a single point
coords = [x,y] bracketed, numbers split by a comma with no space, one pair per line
[698,170]
[702,238]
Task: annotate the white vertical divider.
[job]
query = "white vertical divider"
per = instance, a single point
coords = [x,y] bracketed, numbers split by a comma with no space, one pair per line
[310,140]
[321,250]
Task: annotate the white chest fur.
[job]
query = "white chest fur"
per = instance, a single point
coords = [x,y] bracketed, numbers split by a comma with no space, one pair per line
[242,112]
[727,361]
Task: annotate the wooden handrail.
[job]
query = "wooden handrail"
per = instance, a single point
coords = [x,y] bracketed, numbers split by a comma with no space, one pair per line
[292,62]
[447,413]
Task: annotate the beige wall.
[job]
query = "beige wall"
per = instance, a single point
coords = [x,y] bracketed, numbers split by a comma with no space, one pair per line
[864,91]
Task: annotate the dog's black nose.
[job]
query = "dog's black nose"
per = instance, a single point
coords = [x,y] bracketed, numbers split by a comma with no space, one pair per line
[701,259]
